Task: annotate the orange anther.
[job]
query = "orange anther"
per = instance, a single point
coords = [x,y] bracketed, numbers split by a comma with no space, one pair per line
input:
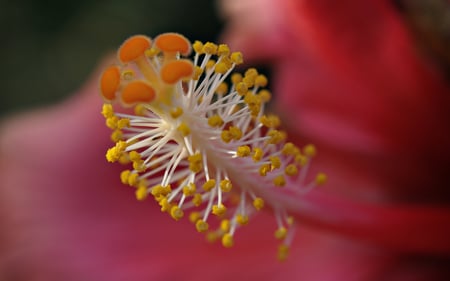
[173,71]
[137,92]
[109,82]
[133,48]
[172,43]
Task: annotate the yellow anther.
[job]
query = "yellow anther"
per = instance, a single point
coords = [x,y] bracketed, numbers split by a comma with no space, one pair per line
[289,149]
[133,48]
[270,121]
[210,48]
[261,81]
[197,200]
[201,226]
[290,220]
[111,122]
[258,203]
[189,190]
[257,154]
[250,77]
[110,82]
[264,95]
[309,150]
[198,47]
[176,112]
[222,89]
[291,170]
[210,64]
[176,213]
[122,123]
[116,135]
[212,236]
[223,50]
[194,216]
[107,110]
[236,78]
[281,233]
[123,159]
[124,176]
[195,162]
[264,169]
[275,136]
[114,153]
[215,121]
[141,193]
[176,70]
[134,155]
[225,225]
[221,68]
[226,136]
[242,219]
[139,166]
[165,204]
[225,185]
[227,240]
[241,88]
[137,92]
[127,74]
[283,252]
[197,72]
[235,132]
[301,159]
[173,43]
[279,181]
[152,52]
[321,178]
[133,179]
[219,210]
[243,151]
[209,185]
[253,102]
[275,162]
[139,110]
[184,129]
[237,58]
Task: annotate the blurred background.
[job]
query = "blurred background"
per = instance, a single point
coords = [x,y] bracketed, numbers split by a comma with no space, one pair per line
[49,47]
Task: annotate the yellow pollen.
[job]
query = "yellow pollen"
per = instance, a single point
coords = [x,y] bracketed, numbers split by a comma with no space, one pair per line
[219,210]
[279,181]
[176,213]
[264,169]
[236,133]
[261,81]
[283,252]
[209,48]
[189,190]
[321,178]
[280,233]
[309,150]
[141,193]
[133,179]
[241,88]
[258,203]
[291,170]
[236,78]
[107,110]
[223,50]
[264,95]
[165,205]
[227,240]
[201,226]
[225,225]
[124,176]
[242,219]
[194,216]
[198,47]
[184,129]
[176,112]
[243,151]
[215,121]
[275,162]
[209,185]
[197,200]
[225,185]
[237,58]
[257,154]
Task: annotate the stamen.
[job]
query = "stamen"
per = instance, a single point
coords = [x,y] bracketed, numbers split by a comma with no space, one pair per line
[197,144]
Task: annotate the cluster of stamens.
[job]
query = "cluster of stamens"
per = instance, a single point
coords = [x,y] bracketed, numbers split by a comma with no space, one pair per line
[197,142]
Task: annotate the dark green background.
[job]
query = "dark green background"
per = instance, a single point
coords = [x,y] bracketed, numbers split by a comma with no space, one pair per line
[48,48]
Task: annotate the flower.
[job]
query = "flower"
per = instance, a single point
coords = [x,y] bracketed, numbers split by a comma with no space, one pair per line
[196,145]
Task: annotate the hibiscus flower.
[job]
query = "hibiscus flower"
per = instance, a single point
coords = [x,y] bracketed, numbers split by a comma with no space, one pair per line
[375,109]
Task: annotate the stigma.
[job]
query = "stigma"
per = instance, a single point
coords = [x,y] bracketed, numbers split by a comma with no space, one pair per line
[195,136]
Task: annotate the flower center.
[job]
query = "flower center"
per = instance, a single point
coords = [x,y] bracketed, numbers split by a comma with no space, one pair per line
[198,142]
